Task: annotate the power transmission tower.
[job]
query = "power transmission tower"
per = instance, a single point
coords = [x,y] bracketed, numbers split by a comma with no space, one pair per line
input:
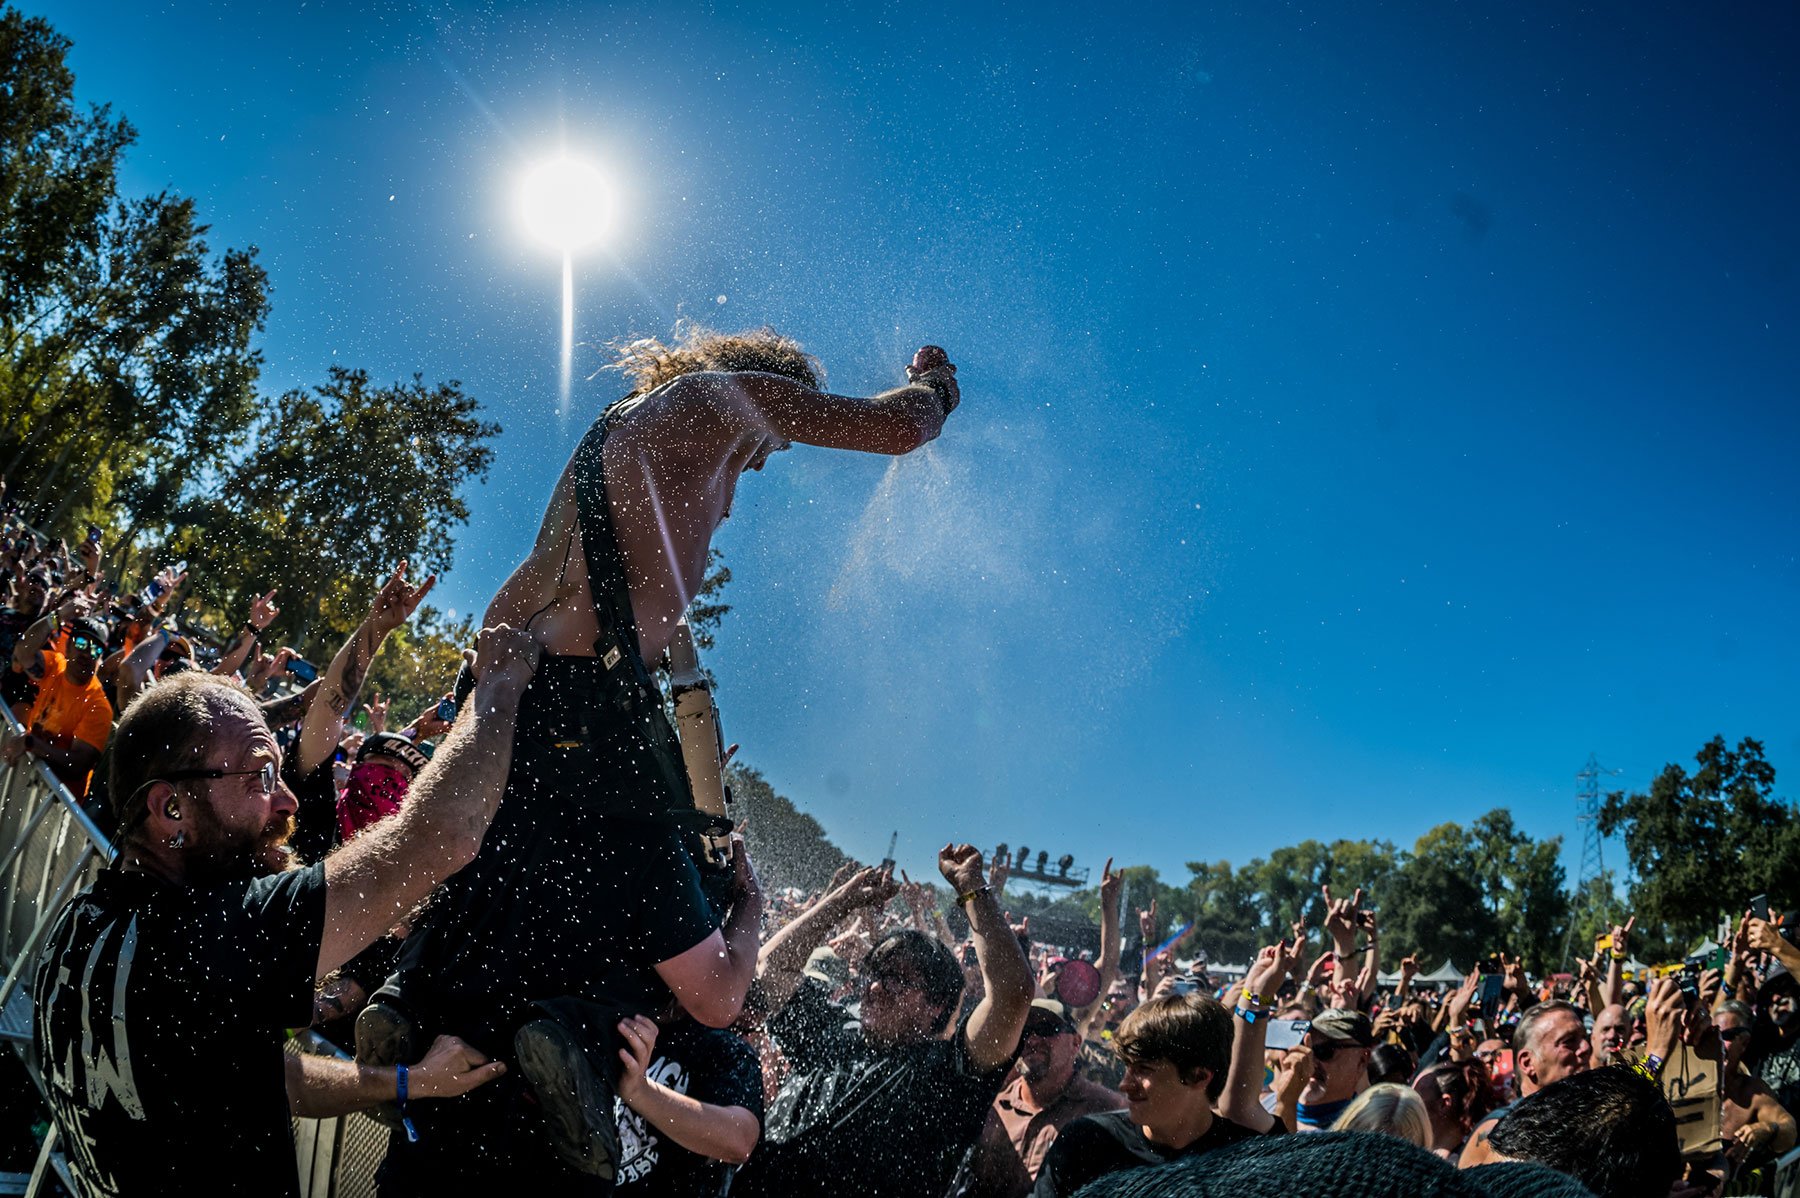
[1593,865]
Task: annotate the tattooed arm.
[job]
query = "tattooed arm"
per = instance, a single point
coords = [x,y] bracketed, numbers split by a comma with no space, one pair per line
[291,708]
[342,682]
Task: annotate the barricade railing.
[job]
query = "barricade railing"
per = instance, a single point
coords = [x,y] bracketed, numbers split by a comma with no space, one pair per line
[49,849]
[1787,1175]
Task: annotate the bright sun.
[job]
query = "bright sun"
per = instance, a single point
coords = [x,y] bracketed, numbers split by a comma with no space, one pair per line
[564,203]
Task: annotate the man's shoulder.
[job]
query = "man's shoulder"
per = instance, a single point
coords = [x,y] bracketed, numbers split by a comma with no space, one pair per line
[1087,1097]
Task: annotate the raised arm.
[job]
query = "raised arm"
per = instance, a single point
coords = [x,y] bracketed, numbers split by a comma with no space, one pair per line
[893,422]
[380,875]
[262,613]
[1111,886]
[1615,967]
[342,681]
[135,670]
[1767,937]
[1241,1101]
[994,1027]
[780,965]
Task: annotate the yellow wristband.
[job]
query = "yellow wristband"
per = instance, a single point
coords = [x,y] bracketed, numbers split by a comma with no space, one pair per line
[962,900]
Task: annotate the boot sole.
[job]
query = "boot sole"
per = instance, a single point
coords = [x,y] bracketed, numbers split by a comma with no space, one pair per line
[384,1037]
[576,1102]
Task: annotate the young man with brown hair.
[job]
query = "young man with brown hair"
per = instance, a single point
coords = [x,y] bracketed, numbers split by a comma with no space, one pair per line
[1177,1050]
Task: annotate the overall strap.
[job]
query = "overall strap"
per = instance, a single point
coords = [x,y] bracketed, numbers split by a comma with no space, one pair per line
[617,644]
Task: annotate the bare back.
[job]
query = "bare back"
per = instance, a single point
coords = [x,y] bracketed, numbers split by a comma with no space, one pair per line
[672,464]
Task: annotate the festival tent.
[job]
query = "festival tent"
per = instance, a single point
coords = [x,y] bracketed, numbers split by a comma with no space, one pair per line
[1443,973]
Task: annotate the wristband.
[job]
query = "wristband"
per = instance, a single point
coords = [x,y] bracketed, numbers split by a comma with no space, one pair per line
[962,900]
[1652,1065]
[1246,1016]
[412,1133]
[1617,955]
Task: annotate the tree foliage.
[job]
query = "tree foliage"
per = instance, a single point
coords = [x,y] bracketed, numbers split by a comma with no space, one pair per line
[789,847]
[1701,845]
[342,481]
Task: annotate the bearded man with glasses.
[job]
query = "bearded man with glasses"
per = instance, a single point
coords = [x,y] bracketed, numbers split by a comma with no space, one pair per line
[70,718]
[165,989]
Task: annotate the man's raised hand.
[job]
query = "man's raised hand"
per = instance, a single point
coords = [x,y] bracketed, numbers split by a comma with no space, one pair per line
[1148,927]
[1112,885]
[503,656]
[871,887]
[263,611]
[397,600]
[932,367]
[961,866]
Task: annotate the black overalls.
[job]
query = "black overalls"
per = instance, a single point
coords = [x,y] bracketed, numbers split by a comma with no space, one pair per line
[586,879]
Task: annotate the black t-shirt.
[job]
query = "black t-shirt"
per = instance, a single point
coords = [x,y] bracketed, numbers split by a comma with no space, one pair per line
[161,1013]
[709,1066]
[1095,1145]
[853,1118]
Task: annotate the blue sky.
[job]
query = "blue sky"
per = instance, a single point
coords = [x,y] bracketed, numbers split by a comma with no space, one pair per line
[1369,410]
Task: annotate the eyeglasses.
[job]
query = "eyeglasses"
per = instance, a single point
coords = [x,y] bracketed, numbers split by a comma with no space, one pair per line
[1492,1054]
[268,770]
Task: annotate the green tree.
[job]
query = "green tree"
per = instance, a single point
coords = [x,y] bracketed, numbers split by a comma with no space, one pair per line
[344,481]
[789,847]
[126,366]
[1702,844]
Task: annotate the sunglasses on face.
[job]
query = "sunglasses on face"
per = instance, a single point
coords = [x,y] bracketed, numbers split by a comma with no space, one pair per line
[84,644]
[1324,1050]
[1728,1034]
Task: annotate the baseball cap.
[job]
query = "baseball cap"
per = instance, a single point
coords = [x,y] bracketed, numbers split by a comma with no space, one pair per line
[1346,1027]
[1047,1018]
[392,744]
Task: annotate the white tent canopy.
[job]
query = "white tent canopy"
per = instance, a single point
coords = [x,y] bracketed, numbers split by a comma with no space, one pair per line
[1443,973]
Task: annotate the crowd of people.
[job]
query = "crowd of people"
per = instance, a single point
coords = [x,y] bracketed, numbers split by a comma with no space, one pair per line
[505,912]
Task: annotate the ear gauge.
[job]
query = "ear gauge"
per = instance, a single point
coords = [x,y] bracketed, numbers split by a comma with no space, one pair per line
[179,839]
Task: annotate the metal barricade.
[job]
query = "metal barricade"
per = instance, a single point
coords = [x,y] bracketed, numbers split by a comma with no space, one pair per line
[1787,1176]
[49,848]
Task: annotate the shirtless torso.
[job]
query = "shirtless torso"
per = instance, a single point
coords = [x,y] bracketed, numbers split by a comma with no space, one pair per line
[672,466]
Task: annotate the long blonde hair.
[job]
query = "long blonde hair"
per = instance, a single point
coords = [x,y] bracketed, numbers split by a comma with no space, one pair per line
[1396,1110]
[649,363]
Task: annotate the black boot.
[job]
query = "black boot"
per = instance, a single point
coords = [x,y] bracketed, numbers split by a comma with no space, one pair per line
[576,1097]
[386,1035]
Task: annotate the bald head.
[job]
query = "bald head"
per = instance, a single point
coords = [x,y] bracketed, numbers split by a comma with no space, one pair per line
[174,725]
